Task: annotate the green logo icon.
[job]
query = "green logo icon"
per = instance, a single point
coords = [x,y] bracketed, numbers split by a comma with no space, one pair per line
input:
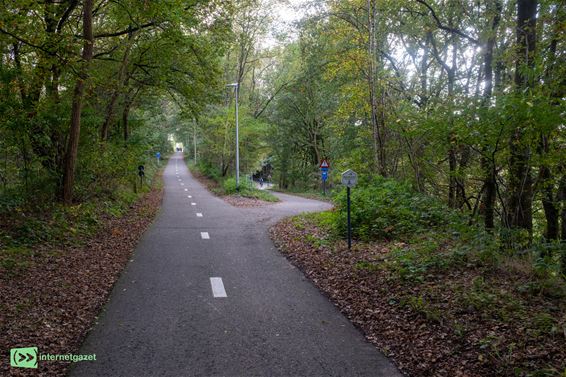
[23,357]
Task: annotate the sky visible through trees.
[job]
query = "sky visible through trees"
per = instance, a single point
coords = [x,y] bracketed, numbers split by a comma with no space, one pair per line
[462,100]
[453,101]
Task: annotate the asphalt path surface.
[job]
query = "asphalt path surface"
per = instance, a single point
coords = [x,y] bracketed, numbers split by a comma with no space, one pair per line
[209,295]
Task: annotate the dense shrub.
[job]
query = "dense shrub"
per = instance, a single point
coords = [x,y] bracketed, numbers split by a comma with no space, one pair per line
[106,183]
[209,170]
[229,186]
[388,209]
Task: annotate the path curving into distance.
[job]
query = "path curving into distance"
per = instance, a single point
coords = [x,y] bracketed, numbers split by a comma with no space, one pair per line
[207,294]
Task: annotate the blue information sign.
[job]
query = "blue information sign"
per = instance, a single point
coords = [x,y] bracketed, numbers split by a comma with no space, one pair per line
[324,166]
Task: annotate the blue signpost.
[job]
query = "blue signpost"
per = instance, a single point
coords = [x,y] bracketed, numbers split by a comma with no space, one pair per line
[324,166]
[158,155]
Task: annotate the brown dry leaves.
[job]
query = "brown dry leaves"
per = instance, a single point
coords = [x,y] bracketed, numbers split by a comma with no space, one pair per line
[55,301]
[242,202]
[439,337]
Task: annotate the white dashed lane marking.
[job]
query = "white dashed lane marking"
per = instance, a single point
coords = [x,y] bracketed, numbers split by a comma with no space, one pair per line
[186,189]
[204,235]
[218,287]
[193,204]
[199,214]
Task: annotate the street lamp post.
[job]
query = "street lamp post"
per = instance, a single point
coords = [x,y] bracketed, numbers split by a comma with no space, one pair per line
[235,85]
[195,139]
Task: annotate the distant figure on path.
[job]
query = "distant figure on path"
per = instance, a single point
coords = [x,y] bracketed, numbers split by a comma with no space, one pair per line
[260,181]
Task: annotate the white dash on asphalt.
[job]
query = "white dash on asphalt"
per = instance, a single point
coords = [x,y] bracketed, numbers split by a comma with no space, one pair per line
[189,196]
[186,189]
[218,287]
[204,235]
[193,204]
[199,214]
[182,184]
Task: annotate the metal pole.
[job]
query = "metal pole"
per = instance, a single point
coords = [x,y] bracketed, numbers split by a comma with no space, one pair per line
[237,142]
[349,222]
[195,139]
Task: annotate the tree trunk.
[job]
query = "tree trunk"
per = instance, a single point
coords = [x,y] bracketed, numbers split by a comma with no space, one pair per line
[452,143]
[452,139]
[78,93]
[376,117]
[487,161]
[109,115]
[519,208]
[561,200]
[551,206]
[452,165]
[548,203]
[461,196]
[121,80]
[129,99]
[125,121]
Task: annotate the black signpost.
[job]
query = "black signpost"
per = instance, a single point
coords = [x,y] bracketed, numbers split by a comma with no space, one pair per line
[349,179]
[141,173]
[349,221]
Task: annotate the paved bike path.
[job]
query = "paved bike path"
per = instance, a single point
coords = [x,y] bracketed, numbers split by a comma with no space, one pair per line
[167,315]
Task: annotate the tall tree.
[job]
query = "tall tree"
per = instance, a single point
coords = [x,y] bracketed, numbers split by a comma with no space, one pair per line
[488,155]
[519,206]
[78,93]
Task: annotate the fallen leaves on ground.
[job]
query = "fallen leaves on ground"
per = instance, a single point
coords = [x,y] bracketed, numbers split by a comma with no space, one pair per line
[53,302]
[427,328]
[243,202]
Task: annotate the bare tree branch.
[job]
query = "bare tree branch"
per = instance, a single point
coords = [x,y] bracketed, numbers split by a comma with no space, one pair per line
[266,103]
[126,31]
[72,5]
[26,42]
[440,25]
